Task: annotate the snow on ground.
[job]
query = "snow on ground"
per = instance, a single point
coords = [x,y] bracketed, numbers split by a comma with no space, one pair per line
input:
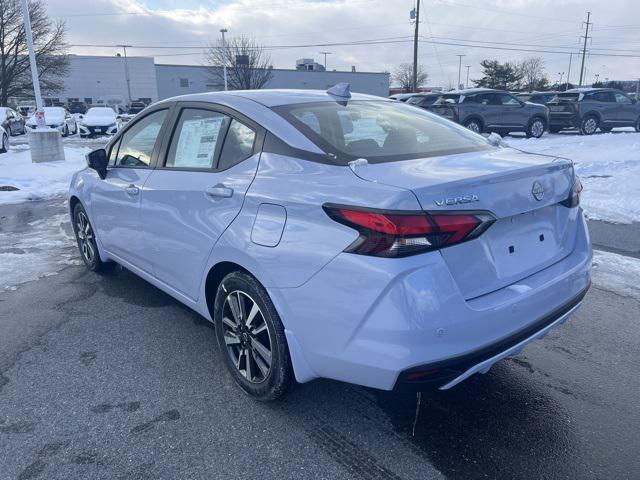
[38,180]
[37,248]
[617,273]
[608,164]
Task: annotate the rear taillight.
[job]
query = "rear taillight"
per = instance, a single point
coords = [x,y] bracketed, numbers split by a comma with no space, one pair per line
[573,200]
[385,233]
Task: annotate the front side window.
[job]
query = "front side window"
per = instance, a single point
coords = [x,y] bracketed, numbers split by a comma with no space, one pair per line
[136,146]
[380,131]
[197,139]
[620,98]
[506,99]
[603,97]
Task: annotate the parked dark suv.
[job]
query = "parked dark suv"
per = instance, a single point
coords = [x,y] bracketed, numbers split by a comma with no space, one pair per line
[591,108]
[487,110]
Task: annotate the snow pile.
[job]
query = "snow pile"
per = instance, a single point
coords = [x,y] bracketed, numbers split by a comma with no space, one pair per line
[608,164]
[617,273]
[37,180]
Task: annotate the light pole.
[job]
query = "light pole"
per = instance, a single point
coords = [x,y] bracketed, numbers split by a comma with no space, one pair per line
[597,75]
[466,84]
[560,81]
[45,144]
[126,70]
[325,58]
[459,69]
[32,57]
[224,57]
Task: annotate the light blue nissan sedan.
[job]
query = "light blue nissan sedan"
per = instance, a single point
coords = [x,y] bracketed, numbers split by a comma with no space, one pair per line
[337,235]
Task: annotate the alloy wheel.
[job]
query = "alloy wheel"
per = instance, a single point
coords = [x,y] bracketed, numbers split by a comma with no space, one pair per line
[474,127]
[537,128]
[85,237]
[590,126]
[247,336]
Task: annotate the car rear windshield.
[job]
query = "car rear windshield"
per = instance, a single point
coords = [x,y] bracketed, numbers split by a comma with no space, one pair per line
[378,131]
[567,97]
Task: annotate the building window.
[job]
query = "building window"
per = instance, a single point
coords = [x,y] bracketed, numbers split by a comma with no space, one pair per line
[184,83]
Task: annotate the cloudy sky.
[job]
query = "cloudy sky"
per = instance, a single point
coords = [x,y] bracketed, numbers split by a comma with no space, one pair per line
[176,31]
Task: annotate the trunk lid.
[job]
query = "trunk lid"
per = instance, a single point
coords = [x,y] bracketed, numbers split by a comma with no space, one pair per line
[523,191]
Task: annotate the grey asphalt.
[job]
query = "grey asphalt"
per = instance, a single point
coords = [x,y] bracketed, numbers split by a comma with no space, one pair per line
[108,377]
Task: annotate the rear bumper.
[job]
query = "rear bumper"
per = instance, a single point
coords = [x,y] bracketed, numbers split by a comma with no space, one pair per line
[451,372]
[564,120]
[370,321]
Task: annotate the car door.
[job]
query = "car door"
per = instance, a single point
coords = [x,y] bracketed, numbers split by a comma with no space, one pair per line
[486,104]
[511,113]
[115,201]
[625,112]
[197,190]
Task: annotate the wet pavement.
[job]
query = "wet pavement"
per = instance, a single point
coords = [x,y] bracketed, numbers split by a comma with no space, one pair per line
[108,377]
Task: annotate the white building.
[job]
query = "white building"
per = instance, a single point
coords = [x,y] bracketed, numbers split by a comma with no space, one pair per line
[94,77]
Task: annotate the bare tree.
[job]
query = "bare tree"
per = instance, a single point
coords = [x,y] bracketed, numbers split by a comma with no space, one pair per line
[50,50]
[533,74]
[248,65]
[403,74]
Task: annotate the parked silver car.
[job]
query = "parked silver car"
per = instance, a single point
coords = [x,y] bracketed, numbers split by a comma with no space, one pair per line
[487,110]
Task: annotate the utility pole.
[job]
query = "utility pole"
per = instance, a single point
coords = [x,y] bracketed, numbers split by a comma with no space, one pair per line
[459,69]
[224,56]
[584,49]
[569,71]
[561,75]
[325,58]
[466,84]
[126,70]
[415,48]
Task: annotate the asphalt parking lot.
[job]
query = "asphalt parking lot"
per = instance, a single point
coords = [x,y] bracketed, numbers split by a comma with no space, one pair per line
[108,377]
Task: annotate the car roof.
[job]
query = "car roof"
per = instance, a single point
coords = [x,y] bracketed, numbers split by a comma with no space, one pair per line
[588,90]
[469,91]
[271,97]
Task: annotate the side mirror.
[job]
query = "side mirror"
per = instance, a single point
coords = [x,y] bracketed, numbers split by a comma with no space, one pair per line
[98,161]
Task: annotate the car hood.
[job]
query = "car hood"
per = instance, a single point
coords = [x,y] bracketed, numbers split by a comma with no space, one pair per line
[49,119]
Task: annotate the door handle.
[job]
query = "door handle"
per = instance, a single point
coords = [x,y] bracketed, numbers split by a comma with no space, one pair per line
[220,191]
[132,190]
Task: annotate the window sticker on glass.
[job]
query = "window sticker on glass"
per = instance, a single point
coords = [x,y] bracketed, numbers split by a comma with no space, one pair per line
[197,142]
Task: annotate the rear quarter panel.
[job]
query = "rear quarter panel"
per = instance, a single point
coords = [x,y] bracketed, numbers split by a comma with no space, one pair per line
[310,239]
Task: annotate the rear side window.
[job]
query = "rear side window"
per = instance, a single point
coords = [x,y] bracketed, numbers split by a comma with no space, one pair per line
[238,145]
[604,97]
[136,146]
[379,131]
[620,98]
[506,99]
[197,139]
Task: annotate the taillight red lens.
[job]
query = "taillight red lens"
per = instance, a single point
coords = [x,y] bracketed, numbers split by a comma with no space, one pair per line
[399,234]
[574,195]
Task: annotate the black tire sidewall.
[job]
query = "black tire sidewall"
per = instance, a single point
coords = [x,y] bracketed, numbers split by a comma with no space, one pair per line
[97,263]
[280,376]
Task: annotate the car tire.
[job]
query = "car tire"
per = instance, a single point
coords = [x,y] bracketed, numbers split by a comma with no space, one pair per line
[65,131]
[5,143]
[473,125]
[637,125]
[257,358]
[536,127]
[86,239]
[589,125]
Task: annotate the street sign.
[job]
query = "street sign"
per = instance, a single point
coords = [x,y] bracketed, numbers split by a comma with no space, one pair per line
[40,121]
